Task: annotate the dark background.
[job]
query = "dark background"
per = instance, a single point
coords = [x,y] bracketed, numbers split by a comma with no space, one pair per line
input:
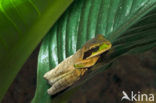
[129,73]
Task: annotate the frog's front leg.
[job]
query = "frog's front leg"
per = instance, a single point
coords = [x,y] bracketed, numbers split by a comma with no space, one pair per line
[86,63]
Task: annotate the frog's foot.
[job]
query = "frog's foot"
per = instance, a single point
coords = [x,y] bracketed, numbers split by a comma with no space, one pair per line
[86,62]
[61,83]
[65,80]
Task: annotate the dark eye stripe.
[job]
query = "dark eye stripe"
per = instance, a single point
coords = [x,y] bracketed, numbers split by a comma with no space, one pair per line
[88,53]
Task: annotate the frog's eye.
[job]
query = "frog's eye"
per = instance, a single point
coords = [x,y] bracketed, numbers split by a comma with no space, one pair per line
[89,52]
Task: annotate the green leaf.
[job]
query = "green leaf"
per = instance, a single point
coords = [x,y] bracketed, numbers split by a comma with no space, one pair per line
[23,23]
[87,18]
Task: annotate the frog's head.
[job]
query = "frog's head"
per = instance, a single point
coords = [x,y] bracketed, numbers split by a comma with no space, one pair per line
[96,46]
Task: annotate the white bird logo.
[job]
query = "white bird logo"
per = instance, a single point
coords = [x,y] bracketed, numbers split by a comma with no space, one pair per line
[125,96]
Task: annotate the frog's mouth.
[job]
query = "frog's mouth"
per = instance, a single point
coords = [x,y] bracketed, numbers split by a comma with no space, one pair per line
[96,51]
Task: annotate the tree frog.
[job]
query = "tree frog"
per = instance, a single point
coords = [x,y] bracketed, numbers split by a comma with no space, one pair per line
[74,67]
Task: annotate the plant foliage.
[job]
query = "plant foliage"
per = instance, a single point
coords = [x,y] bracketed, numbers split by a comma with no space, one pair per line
[23,23]
[87,18]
